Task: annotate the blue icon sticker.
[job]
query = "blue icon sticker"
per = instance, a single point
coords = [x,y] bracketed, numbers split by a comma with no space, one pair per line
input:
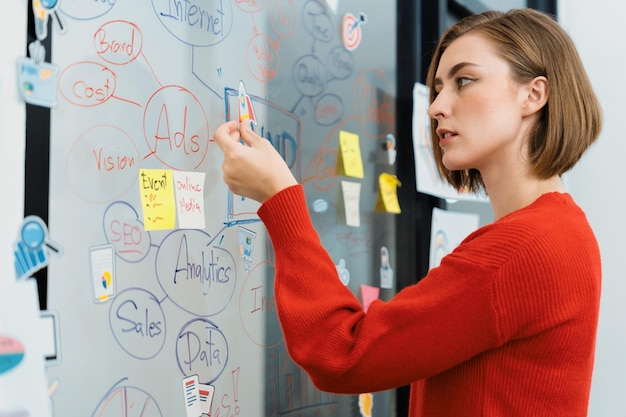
[31,251]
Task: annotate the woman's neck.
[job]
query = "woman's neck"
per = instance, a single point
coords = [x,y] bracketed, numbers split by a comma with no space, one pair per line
[508,195]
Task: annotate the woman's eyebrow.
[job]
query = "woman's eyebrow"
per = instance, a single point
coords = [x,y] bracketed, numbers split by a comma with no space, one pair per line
[453,70]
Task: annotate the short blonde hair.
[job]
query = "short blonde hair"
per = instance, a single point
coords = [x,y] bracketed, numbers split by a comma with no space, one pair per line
[534,44]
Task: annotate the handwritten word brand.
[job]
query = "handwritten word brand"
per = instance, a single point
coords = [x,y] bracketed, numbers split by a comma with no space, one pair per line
[118,41]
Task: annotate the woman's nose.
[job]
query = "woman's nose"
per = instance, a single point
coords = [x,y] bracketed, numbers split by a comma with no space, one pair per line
[438,109]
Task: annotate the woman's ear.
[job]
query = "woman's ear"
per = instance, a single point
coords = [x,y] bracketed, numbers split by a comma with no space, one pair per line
[536,95]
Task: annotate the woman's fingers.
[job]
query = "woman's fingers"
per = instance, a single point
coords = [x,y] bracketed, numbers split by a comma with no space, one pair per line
[247,134]
[253,169]
[227,135]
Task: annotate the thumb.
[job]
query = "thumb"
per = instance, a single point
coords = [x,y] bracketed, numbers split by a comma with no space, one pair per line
[227,135]
[247,134]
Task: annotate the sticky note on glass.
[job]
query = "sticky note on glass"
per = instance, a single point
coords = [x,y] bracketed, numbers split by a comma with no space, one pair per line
[157,199]
[387,200]
[189,190]
[368,294]
[349,162]
[349,203]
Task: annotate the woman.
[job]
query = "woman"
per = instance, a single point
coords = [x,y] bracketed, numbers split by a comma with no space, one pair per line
[506,325]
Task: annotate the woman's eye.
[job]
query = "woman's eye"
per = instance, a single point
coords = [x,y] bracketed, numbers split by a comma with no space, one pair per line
[463,81]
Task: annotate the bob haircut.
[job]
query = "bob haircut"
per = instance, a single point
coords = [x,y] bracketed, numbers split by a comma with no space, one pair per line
[534,45]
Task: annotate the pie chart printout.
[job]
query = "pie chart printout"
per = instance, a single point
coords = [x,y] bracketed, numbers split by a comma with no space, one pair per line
[11,353]
[126,401]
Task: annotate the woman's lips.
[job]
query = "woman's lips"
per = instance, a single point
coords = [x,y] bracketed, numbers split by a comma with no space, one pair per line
[446,138]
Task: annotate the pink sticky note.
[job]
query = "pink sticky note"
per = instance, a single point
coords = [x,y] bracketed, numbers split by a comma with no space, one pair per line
[368,294]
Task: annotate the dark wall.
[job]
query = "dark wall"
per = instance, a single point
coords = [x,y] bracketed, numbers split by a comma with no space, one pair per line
[37,158]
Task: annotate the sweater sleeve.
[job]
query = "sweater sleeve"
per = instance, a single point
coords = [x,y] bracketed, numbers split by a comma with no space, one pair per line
[425,329]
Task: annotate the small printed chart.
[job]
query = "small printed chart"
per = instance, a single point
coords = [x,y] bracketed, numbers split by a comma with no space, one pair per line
[127,401]
[11,353]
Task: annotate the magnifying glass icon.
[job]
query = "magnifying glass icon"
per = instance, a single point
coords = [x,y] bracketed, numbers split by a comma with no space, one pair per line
[43,9]
[35,235]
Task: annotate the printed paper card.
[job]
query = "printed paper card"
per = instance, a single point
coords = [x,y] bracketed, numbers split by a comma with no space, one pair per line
[448,230]
[349,162]
[198,397]
[390,146]
[37,82]
[192,396]
[386,270]
[157,199]
[387,200]
[23,388]
[205,397]
[103,278]
[190,199]
[349,203]
[246,244]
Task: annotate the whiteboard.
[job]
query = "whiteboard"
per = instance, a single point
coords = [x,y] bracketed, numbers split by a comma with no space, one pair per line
[142,85]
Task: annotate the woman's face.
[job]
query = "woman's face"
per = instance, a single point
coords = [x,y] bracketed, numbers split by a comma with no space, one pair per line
[478,107]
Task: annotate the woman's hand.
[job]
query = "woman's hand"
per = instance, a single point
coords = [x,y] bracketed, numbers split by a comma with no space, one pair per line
[253,169]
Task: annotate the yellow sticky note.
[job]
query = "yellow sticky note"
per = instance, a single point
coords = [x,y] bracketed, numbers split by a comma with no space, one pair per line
[366,404]
[157,198]
[349,162]
[387,200]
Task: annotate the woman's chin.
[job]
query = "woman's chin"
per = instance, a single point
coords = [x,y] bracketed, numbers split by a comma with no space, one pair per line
[452,165]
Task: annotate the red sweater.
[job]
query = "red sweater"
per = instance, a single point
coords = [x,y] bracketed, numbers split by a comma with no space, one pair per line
[504,327]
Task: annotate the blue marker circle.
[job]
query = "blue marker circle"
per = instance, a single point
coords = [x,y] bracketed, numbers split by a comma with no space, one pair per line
[49,4]
[33,234]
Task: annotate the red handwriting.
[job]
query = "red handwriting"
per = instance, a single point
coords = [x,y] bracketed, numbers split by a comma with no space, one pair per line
[110,162]
[87,83]
[118,42]
[128,235]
